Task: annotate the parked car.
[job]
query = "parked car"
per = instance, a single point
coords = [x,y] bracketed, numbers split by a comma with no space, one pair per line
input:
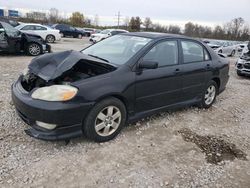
[240,47]
[14,41]
[89,31]
[243,63]
[119,80]
[47,33]
[227,48]
[105,34]
[69,31]
[12,22]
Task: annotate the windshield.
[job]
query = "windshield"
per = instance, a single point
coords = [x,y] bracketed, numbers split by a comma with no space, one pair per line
[117,49]
[105,31]
[10,30]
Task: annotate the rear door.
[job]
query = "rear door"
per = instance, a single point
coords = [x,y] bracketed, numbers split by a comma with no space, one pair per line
[42,31]
[159,87]
[196,67]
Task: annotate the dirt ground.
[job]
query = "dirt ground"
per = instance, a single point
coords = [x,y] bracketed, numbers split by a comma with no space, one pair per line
[166,150]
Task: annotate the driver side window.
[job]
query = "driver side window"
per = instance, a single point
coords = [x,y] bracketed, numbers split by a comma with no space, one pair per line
[164,53]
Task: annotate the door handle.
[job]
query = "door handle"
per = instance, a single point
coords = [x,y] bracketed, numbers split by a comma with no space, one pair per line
[208,66]
[177,71]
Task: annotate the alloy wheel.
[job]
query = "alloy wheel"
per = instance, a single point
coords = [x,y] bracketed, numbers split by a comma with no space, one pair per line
[50,39]
[108,121]
[34,49]
[210,94]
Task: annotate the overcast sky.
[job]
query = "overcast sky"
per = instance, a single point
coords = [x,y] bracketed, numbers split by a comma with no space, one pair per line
[209,12]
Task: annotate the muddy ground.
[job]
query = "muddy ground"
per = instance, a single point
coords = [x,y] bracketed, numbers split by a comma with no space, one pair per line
[165,150]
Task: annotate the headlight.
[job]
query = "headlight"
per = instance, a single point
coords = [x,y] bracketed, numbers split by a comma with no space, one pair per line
[25,71]
[55,93]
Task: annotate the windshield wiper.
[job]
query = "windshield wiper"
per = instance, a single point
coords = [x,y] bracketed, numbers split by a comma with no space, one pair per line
[98,57]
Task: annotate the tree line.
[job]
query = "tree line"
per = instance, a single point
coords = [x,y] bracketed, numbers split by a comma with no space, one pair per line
[236,29]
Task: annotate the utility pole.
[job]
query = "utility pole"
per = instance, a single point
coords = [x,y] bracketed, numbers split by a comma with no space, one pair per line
[118,19]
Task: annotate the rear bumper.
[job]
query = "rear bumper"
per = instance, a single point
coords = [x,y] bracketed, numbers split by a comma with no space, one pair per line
[68,116]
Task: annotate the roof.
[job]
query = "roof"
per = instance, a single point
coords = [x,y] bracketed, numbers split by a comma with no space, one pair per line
[154,35]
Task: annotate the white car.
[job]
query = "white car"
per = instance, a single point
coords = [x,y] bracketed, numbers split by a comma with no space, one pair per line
[47,33]
[105,34]
[227,48]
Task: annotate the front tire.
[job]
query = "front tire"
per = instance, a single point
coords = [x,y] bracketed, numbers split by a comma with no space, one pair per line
[34,49]
[209,95]
[105,121]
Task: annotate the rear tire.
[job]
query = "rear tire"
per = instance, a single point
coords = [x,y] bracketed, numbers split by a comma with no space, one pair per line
[105,120]
[34,49]
[80,36]
[209,95]
[239,73]
[50,39]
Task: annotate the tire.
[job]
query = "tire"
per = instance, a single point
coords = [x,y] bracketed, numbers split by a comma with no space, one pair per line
[239,73]
[232,53]
[99,126]
[79,36]
[34,49]
[208,98]
[50,38]
[62,35]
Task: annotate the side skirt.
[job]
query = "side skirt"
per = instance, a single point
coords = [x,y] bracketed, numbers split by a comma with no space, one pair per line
[140,115]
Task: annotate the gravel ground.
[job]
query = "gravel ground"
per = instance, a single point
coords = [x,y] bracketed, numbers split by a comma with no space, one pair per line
[151,153]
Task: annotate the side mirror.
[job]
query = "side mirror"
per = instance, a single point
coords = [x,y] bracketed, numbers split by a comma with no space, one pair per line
[109,34]
[146,64]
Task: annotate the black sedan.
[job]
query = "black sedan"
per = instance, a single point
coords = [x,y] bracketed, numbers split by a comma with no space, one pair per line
[14,41]
[119,80]
[69,31]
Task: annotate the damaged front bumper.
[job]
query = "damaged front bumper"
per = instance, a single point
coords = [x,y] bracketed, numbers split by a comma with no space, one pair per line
[243,67]
[46,48]
[67,116]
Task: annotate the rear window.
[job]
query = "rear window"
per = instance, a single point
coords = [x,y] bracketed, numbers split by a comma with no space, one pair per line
[28,27]
[193,52]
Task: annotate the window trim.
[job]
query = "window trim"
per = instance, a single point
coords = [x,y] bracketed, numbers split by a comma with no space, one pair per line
[197,42]
[158,42]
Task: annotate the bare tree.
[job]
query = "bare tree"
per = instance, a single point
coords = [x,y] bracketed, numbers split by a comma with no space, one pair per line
[126,22]
[147,23]
[175,29]
[96,20]
[53,15]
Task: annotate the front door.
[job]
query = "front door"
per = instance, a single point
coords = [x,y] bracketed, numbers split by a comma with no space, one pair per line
[156,88]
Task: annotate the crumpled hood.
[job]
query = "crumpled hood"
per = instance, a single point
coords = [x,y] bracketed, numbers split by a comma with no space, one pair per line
[51,66]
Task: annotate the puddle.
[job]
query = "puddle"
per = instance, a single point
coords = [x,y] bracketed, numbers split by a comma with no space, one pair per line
[216,149]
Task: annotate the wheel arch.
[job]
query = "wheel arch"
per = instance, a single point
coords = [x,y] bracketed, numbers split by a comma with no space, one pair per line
[217,81]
